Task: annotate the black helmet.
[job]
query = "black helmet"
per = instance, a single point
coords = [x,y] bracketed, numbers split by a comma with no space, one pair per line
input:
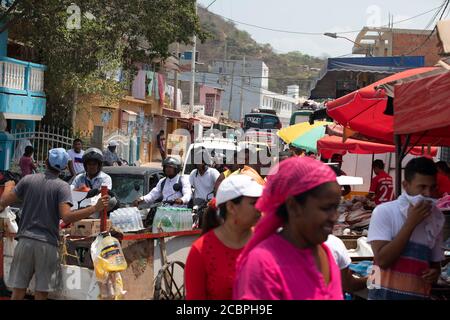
[93,154]
[172,162]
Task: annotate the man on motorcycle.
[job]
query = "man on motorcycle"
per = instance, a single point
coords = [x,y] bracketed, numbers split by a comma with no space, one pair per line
[203,178]
[173,188]
[111,155]
[94,177]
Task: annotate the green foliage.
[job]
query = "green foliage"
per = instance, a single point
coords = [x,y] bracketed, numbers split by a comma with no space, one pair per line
[79,59]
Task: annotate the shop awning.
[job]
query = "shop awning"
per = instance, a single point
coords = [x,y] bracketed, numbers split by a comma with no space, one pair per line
[329,145]
[171,113]
[364,110]
[376,64]
[129,116]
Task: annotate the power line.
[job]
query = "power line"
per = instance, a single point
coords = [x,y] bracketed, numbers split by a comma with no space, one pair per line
[446,4]
[211,4]
[256,77]
[321,33]
[274,94]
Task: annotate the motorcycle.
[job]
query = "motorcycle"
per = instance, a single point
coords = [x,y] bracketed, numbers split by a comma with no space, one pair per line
[199,210]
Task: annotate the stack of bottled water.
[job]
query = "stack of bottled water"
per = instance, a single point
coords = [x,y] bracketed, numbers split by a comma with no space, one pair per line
[172,219]
[127,219]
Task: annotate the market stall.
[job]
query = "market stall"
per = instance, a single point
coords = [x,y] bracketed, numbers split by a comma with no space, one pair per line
[409,109]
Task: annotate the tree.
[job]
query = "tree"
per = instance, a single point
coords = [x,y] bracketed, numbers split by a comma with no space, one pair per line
[82,41]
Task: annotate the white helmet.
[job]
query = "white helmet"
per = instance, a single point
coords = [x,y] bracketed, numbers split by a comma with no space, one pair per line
[113,143]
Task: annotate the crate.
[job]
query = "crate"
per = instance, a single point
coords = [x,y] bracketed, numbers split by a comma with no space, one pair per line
[87,228]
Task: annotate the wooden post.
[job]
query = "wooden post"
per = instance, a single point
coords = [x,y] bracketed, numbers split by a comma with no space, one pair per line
[104,216]
[371,167]
[398,164]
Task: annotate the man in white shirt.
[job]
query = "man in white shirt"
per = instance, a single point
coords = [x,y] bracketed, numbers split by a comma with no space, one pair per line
[174,188]
[406,238]
[110,155]
[94,177]
[76,158]
[203,178]
[343,260]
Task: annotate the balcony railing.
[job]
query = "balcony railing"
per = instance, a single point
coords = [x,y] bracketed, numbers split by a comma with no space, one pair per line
[21,77]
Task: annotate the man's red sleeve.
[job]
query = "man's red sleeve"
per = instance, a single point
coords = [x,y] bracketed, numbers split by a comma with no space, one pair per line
[373,185]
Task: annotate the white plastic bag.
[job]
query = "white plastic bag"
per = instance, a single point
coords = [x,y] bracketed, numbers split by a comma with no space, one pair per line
[11,227]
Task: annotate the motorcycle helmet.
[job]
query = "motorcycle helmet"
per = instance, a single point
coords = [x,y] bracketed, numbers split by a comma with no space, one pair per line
[172,162]
[93,154]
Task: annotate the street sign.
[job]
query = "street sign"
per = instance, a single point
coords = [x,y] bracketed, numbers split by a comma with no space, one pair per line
[187,55]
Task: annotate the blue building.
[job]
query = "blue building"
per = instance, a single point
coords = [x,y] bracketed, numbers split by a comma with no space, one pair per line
[22,97]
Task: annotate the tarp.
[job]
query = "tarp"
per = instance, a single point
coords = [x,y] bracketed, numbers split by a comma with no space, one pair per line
[423,107]
[375,64]
[329,145]
[364,110]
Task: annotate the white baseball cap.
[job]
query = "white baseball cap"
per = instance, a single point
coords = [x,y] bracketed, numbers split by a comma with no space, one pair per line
[237,186]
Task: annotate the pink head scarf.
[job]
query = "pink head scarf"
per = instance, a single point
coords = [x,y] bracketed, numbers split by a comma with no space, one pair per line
[291,177]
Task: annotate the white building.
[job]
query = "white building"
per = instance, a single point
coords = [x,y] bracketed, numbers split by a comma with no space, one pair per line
[245,88]
[282,104]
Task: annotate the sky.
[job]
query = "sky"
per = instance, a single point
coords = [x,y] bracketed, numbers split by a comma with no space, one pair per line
[320,16]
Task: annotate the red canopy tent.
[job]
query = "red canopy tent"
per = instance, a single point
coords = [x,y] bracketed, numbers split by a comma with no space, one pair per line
[364,110]
[329,145]
[422,107]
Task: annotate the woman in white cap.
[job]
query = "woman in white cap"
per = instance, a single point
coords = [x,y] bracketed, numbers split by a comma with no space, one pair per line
[211,264]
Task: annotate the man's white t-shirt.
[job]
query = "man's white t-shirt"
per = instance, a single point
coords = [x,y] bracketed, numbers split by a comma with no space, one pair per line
[168,192]
[339,251]
[203,184]
[77,160]
[388,219]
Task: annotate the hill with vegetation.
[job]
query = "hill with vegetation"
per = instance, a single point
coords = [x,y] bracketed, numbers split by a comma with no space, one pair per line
[226,40]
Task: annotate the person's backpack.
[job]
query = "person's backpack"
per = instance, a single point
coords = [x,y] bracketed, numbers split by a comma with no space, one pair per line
[163,183]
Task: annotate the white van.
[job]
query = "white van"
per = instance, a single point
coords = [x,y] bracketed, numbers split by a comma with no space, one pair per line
[214,146]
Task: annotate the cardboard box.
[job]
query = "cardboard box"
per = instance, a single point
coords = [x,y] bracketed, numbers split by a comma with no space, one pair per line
[88,227]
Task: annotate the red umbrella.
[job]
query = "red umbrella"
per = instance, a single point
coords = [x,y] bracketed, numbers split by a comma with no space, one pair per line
[364,110]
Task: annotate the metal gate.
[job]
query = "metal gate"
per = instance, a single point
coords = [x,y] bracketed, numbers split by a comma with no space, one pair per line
[42,140]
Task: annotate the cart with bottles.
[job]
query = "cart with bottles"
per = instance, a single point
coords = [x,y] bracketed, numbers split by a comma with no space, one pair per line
[155,255]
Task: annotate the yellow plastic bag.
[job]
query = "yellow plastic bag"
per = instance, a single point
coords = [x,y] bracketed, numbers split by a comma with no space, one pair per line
[109,261]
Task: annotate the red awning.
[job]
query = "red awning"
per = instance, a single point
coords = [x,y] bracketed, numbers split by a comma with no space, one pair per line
[422,107]
[329,145]
[363,110]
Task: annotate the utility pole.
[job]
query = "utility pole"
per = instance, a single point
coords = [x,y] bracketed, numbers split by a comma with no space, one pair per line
[226,46]
[231,90]
[176,103]
[194,49]
[241,108]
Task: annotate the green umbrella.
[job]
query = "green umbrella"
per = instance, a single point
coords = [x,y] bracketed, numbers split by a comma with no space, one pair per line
[308,140]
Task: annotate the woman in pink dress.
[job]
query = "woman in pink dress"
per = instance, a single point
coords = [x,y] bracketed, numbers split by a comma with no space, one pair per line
[287,259]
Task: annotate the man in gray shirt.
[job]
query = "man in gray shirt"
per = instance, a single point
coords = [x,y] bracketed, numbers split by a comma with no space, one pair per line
[46,200]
